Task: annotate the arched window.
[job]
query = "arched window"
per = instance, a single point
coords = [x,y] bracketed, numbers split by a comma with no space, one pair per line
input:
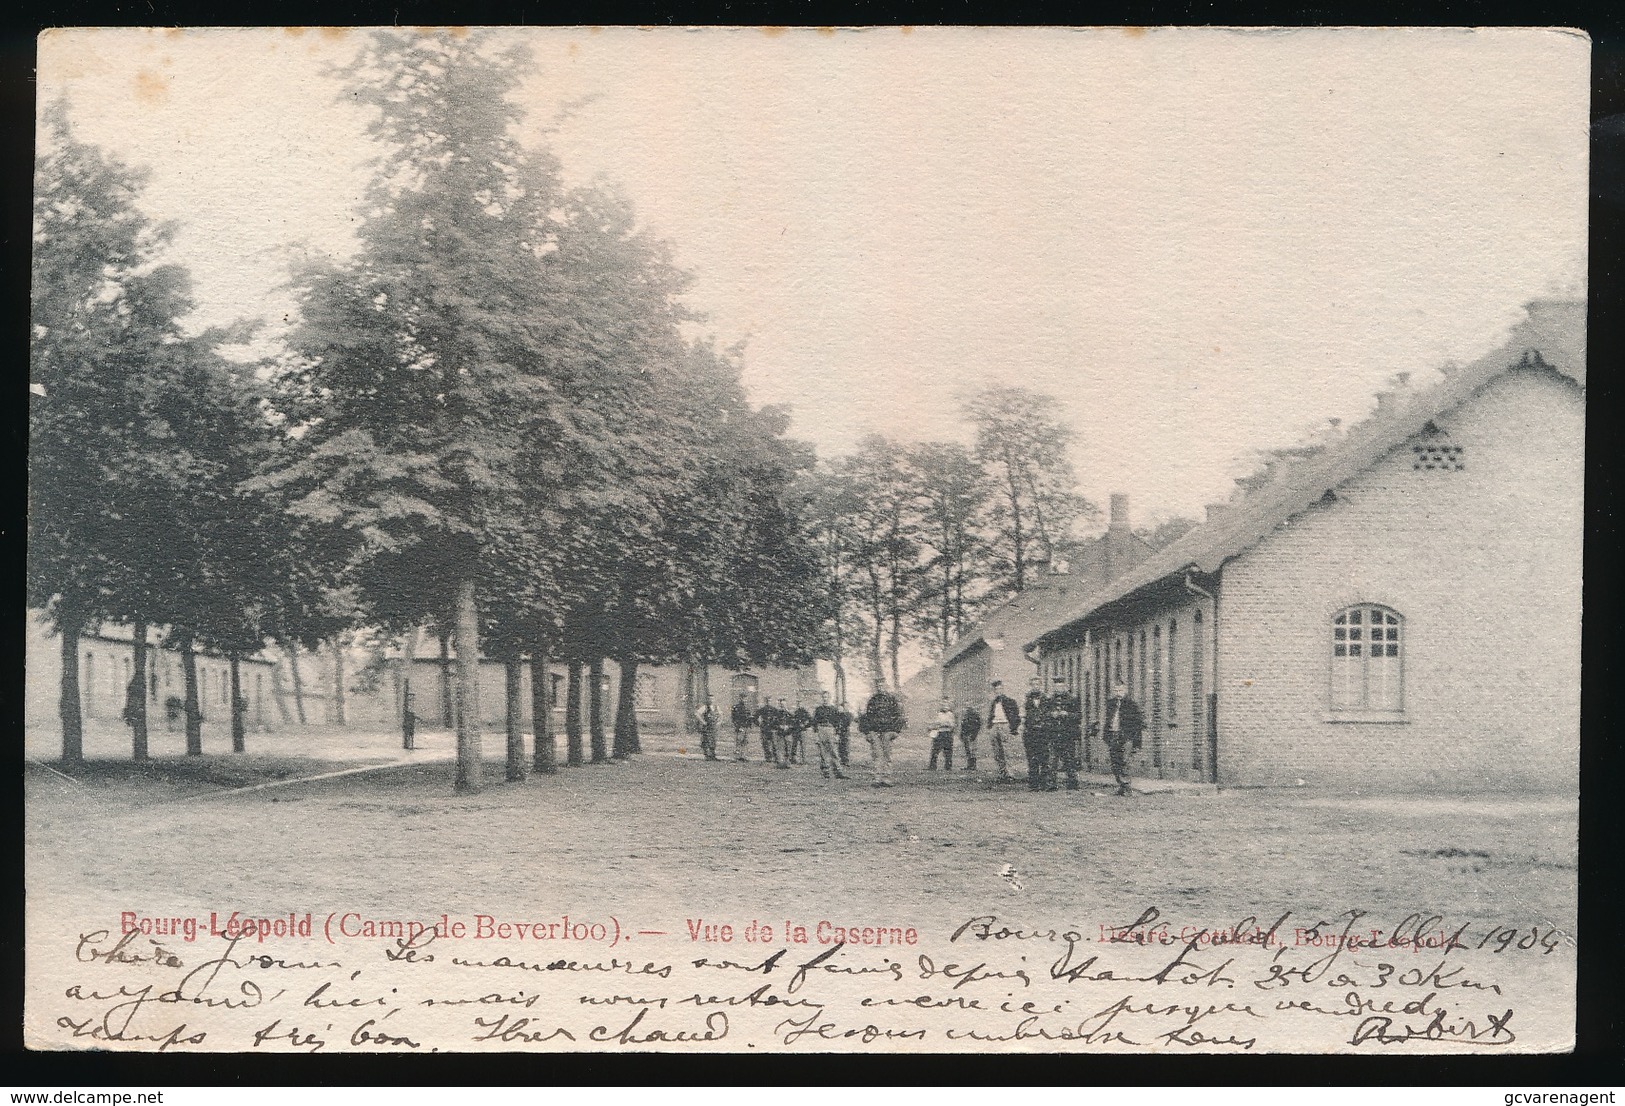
[1368,659]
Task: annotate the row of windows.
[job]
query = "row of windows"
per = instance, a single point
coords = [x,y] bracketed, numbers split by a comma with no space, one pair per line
[97,684]
[1367,669]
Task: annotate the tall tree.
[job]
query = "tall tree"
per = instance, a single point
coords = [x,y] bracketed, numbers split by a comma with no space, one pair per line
[120,440]
[1023,443]
[429,353]
[951,501]
[887,548]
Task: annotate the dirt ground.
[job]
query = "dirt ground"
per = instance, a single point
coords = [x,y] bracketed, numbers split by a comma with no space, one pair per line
[669,835]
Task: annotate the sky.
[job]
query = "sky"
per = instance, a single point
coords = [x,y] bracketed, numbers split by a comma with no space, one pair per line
[1202,243]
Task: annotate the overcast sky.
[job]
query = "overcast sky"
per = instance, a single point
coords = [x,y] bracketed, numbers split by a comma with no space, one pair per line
[1202,242]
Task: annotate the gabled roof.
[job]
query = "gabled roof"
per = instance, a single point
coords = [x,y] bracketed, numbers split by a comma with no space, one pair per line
[1554,330]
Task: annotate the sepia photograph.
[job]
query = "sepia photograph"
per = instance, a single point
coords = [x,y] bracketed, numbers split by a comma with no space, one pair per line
[863,540]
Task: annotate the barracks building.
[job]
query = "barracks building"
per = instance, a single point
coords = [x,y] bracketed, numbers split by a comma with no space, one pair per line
[1395,609]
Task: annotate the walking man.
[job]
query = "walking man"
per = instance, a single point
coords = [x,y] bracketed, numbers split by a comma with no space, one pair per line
[706,716]
[881,722]
[1003,720]
[1124,727]
[825,721]
[942,737]
[1062,723]
[741,719]
[1033,737]
[969,727]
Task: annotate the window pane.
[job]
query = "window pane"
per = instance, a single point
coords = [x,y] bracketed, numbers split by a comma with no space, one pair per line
[1354,650]
[1393,650]
[1355,616]
[1340,650]
[1339,634]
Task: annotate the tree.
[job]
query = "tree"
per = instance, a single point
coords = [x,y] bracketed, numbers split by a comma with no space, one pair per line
[1024,445]
[886,548]
[429,356]
[951,501]
[110,367]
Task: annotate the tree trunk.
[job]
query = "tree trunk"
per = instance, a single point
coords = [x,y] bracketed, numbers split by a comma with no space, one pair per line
[73,725]
[595,708]
[338,681]
[409,651]
[279,694]
[447,718]
[192,710]
[467,624]
[572,717]
[298,681]
[514,674]
[626,711]
[541,712]
[237,742]
[137,704]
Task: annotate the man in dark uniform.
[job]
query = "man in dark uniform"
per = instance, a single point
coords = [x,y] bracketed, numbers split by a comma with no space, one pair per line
[784,728]
[1032,736]
[843,731]
[1062,725]
[970,725]
[881,722]
[767,722]
[741,720]
[825,721]
[801,722]
[1123,729]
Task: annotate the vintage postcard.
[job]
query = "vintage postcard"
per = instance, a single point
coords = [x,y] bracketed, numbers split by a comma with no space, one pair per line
[933,540]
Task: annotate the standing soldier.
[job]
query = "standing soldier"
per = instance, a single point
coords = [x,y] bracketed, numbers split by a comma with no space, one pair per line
[942,737]
[1124,726]
[826,721]
[801,722]
[843,727]
[1032,736]
[1003,720]
[766,722]
[706,716]
[741,721]
[1062,724]
[881,722]
[784,724]
[969,726]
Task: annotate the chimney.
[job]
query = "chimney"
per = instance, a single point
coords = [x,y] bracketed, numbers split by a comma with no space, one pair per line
[1119,516]
[1117,543]
[1215,511]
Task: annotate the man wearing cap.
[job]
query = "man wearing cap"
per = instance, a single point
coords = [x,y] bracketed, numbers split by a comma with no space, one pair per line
[767,721]
[1124,727]
[800,723]
[1033,739]
[1003,719]
[784,725]
[1061,722]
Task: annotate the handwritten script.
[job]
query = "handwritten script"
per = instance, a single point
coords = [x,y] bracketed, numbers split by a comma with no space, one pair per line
[312,982]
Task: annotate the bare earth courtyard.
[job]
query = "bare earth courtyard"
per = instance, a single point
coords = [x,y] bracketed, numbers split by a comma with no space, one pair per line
[657,849]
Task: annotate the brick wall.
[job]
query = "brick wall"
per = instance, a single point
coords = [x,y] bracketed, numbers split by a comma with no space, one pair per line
[1484,565]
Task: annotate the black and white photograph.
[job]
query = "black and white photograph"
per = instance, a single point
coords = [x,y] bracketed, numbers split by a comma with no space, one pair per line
[933,540]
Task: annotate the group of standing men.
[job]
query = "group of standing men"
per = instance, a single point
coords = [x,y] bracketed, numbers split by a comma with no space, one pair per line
[1050,727]
[1051,730]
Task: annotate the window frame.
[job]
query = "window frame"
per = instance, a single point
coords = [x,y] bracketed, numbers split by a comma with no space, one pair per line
[1351,628]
